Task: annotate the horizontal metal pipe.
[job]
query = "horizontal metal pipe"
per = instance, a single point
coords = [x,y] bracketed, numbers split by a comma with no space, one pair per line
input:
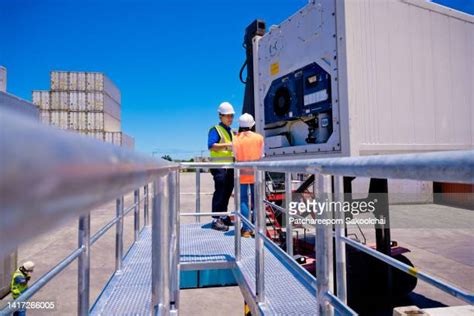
[412,271]
[207,214]
[44,279]
[103,230]
[206,165]
[130,208]
[342,308]
[246,221]
[69,174]
[447,166]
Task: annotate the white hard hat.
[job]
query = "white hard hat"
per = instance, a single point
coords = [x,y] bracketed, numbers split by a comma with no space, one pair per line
[29,265]
[225,108]
[246,120]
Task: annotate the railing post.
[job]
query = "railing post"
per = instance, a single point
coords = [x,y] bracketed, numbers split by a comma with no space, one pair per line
[198,194]
[237,214]
[119,234]
[324,266]
[288,226]
[83,275]
[136,214]
[160,248]
[177,241]
[340,244]
[259,233]
[174,236]
[146,203]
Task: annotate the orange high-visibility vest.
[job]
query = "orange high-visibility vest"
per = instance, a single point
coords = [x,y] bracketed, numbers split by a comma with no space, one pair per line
[247,146]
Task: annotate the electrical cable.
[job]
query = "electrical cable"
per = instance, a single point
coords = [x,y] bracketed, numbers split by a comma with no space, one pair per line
[242,71]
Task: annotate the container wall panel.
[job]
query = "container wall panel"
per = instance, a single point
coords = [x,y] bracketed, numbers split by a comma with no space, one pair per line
[410,76]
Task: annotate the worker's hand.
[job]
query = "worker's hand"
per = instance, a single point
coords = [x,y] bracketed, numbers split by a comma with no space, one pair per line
[28,278]
[222,146]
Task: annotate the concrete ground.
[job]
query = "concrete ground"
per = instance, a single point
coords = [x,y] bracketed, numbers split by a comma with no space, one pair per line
[446,253]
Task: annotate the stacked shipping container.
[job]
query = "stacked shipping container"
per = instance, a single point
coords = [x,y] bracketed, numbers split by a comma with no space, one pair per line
[87,102]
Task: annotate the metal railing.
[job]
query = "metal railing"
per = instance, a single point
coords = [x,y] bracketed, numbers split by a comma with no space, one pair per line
[48,176]
[256,300]
[456,166]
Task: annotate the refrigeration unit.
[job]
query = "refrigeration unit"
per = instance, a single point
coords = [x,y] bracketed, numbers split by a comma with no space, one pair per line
[340,78]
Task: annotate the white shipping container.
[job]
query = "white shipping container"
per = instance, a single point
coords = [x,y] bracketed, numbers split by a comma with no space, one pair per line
[113,138]
[81,81]
[73,81]
[91,101]
[90,81]
[90,121]
[99,121]
[401,78]
[63,100]
[81,99]
[54,100]
[77,101]
[59,100]
[64,120]
[36,98]
[117,138]
[111,124]
[73,120]
[54,80]
[84,81]
[3,79]
[45,100]
[105,103]
[73,101]
[108,137]
[60,119]
[41,99]
[82,120]
[45,117]
[63,81]
[103,83]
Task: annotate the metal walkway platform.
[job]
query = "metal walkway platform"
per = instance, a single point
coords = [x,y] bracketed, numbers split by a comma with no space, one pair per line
[129,292]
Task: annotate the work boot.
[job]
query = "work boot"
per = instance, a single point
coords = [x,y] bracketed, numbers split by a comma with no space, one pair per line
[245,233]
[227,221]
[219,225]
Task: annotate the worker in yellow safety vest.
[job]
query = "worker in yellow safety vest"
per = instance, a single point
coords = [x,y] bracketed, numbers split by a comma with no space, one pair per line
[19,282]
[247,146]
[219,142]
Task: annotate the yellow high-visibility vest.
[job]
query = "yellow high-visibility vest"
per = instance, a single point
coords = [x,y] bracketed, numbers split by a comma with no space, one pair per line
[222,156]
[17,288]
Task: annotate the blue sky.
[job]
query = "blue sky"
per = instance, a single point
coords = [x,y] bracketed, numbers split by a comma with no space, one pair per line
[174,61]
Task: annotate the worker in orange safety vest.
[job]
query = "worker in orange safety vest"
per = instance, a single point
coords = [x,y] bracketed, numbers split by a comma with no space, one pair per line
[247,146]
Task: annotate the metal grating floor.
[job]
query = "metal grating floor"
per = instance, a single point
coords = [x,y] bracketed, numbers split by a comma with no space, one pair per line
[200,244]
[129,293]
